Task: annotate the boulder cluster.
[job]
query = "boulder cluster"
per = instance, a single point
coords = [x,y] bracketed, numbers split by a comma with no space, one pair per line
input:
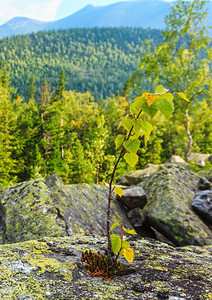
[45,225]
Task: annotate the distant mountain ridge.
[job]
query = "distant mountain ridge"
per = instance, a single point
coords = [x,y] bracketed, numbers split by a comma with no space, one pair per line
[143,13]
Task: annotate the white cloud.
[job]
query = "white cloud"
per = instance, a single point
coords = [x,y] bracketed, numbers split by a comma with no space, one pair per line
[44,10]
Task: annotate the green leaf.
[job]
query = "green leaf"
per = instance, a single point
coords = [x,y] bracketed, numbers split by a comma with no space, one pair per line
[160,90]
[119,192]
[150,110]
[167,96]
[121,253]
[114,226]
[129,254]
[137,125]
[128,124]
[183,96]
[147,128]
[130,231]
[165,106]
[115,243]
[132,145]
[131,159]
[119,140]
[125,245]
[136,106]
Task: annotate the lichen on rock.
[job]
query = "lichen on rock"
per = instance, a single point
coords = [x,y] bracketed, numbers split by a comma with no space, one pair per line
[51,269]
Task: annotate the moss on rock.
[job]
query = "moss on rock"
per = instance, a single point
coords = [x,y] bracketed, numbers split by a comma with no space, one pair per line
[170,193]
[38,208]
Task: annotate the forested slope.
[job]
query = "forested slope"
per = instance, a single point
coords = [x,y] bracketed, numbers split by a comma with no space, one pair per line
[96,59]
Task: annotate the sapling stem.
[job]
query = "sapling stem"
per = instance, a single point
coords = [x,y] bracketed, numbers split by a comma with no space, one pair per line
[109,249]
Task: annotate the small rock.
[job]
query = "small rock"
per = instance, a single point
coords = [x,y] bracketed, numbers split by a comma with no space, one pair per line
[133,198]
[54,181]
[198,158]
[176,159]
[204,184]
[202,203]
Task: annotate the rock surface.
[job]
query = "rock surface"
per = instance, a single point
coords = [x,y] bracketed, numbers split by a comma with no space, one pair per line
[202,203]
[135,177]
[37,208]
[133,198]
[51,269]
[171,190]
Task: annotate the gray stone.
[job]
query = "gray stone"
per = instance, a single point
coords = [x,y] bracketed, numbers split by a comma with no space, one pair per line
[133,197]
[135,177]
[204,184]
[202,203]
[33,210]
[176,159]
[198,158]
[51,269]
[170,193]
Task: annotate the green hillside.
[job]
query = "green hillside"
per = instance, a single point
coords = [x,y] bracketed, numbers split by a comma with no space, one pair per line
[96,59]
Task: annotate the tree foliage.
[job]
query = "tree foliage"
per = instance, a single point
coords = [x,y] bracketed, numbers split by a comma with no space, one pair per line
[182,63]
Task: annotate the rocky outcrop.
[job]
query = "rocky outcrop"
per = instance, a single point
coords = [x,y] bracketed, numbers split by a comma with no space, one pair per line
[170,193]
[38,208]
[51,269]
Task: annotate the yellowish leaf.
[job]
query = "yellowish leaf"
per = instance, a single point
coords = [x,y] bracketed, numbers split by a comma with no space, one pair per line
[151,99]
[129,254]
[119,192]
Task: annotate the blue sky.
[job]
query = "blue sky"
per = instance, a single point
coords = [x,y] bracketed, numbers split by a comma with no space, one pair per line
[46,10]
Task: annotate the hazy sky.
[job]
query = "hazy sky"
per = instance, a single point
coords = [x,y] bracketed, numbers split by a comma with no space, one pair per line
[45,10]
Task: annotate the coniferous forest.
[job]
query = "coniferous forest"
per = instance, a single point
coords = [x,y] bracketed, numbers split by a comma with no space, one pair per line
[64,94]
[96,59]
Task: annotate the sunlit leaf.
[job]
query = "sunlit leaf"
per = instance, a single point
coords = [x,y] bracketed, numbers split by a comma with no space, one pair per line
[137,125]
[151,99]
[132,145]
[165,106]
[130,231]
[150,110]
[136,106]
[183,96]
[121,252]
[128,123]
[125,245]
[114,226]
[119,140]
[147,128]
[129,254]
[119,192]
[160,90]
[131,159]
[167,96]
[115,243]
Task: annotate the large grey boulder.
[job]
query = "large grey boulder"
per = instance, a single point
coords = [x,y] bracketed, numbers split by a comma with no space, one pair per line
[51,269]
[170,193]
[38,208]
